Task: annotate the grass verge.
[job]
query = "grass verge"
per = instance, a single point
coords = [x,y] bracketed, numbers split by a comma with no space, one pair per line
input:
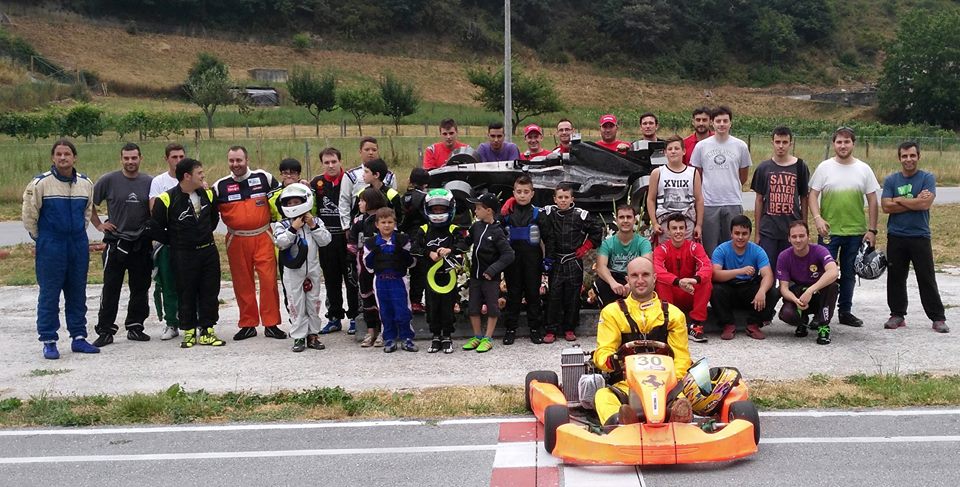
[178,406]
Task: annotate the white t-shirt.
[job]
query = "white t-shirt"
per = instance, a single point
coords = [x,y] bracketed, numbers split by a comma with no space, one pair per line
[721,163]
[162,183]
[842,188]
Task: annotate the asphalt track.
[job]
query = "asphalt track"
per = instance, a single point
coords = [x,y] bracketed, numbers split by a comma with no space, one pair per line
[809,448]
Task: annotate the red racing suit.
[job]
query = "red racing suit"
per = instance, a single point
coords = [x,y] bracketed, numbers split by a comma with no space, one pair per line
[244,209]
[437,154]
[672,264]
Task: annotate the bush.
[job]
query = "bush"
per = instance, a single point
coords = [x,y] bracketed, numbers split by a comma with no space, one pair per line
[302,41]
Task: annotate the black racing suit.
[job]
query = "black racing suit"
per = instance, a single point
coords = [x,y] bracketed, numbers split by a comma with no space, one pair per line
[188,231]
[335,262]
[564,232]
[363,228]
[523,275]
[413,217]
[431,238]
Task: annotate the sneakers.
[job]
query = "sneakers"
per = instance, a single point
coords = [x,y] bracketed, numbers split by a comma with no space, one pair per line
[244,333]
[850,320]
[753,331]
[409,346]
[446,344]
[137,336]
[367,341]
[299,345]
[801,331]
[473,343]
[378,342]
[334,325]
[485,345]
[570,336]
[681,411]
[728,332]
[434,345]
[895,322]
[352,330]
[103,340]
[509,337]
[189,339]
[313,341]
[50,351]
[389,346]
[274,332]
[940,326]
[823,335]
[549,338]
[81,345]
[210,338]
[417,309]
[695,332]
[535,337]
[169,333]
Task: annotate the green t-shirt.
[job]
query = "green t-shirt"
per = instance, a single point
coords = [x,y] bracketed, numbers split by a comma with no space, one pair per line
[842,188]
[619,255]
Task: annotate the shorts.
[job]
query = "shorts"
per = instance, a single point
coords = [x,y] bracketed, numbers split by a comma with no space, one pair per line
[483,292]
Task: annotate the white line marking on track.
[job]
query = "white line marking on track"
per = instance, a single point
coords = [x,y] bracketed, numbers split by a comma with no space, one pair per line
[643,483]
[246,454]
[881,412]
[515,454]
[862,439]
[448,422]
[194,429]
[597,476]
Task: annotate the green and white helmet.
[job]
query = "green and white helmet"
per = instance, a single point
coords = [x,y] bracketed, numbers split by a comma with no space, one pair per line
[439,197]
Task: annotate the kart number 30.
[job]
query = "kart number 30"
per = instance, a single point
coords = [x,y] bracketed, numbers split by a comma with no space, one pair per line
[652,362]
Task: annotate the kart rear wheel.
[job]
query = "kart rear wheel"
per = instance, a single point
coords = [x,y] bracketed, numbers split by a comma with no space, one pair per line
[748,411]
[547,376]
[555,416]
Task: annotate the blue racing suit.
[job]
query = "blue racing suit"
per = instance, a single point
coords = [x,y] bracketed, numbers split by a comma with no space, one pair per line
[389,260]
[56,210]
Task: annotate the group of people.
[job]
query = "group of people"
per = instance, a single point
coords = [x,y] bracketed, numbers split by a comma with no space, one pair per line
[379,252]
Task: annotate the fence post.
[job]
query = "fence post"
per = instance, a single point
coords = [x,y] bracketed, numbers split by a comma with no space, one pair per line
[306,156]
[382,131]
[294,129]
[425,129]
[343,128]
[749,142]
[941,146]
[867,143]
[247,126]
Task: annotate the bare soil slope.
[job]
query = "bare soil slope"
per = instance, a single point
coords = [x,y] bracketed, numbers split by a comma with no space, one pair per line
[158,61]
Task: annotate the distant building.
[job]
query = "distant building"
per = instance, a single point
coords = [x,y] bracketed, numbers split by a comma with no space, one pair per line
[273,75]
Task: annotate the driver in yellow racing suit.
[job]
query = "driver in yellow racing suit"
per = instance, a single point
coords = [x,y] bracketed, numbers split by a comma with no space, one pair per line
[645,321]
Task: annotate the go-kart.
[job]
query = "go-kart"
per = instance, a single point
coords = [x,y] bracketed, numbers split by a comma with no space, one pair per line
[572,430]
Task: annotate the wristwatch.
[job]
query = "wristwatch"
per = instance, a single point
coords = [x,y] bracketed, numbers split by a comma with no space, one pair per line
[873,231]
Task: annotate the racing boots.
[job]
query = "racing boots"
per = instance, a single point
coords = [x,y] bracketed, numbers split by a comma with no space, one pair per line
[823,335]
[352,330]
[435,345]
[209,338]
[189,338]
[274,332]
[334,325]
[446,344]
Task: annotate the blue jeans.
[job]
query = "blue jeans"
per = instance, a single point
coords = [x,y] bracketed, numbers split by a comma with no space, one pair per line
[844,250]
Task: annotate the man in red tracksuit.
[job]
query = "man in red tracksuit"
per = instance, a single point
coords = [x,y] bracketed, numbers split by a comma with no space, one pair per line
[684,275]
[241,199]
[437,154]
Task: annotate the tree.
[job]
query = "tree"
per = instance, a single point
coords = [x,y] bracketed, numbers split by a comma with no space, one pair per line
[399,99]
[317,92]
[82,121]
[921,74]
[361,101]
[532,95]
[208,86]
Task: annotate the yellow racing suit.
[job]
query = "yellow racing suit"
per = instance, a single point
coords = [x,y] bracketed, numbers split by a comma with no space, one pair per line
[614,329]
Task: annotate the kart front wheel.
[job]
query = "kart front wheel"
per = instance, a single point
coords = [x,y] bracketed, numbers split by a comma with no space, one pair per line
[748,411]
[556,415]
[547,376]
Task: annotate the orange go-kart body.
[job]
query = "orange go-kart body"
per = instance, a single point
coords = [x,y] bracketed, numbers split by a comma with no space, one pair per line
[652,441]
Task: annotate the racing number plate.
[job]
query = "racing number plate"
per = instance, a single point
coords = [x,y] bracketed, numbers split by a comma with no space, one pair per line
[649,362]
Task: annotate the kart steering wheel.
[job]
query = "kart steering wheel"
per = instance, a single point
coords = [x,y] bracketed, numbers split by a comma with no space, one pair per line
[637,346]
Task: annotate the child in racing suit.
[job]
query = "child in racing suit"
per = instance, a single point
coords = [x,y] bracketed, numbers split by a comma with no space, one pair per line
[387,256]
[298,238]
[641,315]
[414,217]
[437,243]
[521,219]
[370,200]
[568,234]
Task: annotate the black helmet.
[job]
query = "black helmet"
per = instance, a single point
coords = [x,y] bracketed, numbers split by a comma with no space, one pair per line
[870,263]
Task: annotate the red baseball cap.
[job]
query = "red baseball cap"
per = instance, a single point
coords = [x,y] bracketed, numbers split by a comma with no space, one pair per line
[532,128]
[608,118]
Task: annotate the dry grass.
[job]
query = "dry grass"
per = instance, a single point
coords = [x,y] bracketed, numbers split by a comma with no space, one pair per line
[161,61]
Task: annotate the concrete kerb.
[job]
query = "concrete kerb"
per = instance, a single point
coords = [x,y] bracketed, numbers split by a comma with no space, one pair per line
[266,365]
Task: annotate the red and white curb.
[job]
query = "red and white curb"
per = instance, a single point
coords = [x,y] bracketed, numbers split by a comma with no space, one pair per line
[521,461]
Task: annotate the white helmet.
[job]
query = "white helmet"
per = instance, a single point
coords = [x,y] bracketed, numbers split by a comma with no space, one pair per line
[296,190]
[870,263]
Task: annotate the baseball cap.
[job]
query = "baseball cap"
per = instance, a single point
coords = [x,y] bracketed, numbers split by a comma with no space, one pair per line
[486,199]
[532,128]
[608,118]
